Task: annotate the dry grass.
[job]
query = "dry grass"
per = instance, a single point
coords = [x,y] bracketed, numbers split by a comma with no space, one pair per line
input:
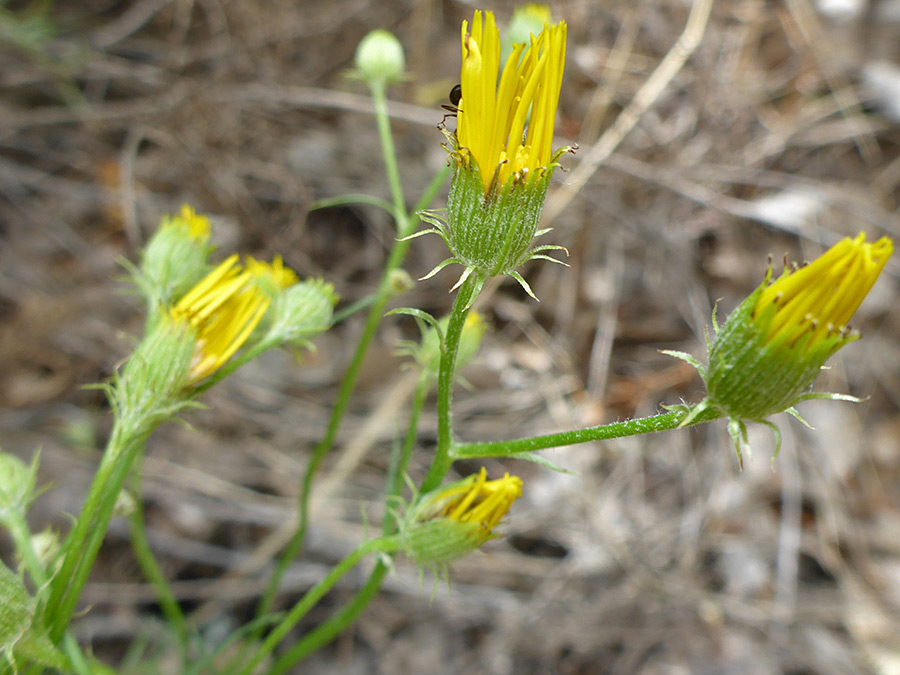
[656,556]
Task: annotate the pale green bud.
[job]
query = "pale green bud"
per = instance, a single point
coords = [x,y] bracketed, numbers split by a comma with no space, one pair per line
[379,58]
[151,385]
[300,312]
[17,483]
[175,258]
[400,282]
[527,20]
[428,352]
[125,504]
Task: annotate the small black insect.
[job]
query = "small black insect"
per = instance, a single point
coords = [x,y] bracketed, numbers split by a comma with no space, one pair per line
[455,98]
[455,95]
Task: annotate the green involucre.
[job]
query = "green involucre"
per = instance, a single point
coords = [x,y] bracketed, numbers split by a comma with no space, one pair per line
[493,233]
[750,377]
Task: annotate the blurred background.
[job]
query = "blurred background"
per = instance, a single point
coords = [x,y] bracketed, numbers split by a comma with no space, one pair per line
[656,555]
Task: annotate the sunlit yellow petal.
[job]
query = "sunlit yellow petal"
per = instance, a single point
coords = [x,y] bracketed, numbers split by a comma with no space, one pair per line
[821,298]
[492,117]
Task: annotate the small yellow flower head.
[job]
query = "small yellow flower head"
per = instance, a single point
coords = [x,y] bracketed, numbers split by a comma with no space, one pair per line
[196,225]
[223,310]
[771,348]
[175,257]
[452,521]
[502,151]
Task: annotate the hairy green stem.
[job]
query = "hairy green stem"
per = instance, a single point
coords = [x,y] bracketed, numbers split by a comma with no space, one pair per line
[129,433]
[384,545]
[633,427]
[449,347]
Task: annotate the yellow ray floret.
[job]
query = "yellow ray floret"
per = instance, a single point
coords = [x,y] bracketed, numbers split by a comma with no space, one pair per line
[492,117]
[197,225]
[481,501]
[823,296]
[224,309]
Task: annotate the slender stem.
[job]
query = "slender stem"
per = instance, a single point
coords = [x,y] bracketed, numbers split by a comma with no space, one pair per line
[21,536]
[337,415]
[379,98]
[400,461]
[140,545]
[386,544]
[383,295]
[326,632]
[83,543]
[633,427]
[351,309]
[449,347]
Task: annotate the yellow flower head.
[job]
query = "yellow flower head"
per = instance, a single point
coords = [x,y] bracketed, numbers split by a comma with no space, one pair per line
[491,127]
[224,309]
[819,299]
[477,500]
[772,347]
[196,225]
[452,521]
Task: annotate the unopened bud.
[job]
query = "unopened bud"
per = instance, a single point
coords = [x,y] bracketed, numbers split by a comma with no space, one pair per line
[379,57]
[454,520]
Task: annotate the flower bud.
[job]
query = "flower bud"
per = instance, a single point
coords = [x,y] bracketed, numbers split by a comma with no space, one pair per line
[300,312]
[379,58]
[400,282]
[45,545]
[771,348]
[428,353]
[175,258]
[17,482]
[454,520]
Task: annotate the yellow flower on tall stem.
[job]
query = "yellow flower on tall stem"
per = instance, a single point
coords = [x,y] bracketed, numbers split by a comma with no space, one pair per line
[502,150]
[771,348]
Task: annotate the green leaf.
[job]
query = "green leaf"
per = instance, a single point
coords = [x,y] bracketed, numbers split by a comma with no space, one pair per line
[19,637]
